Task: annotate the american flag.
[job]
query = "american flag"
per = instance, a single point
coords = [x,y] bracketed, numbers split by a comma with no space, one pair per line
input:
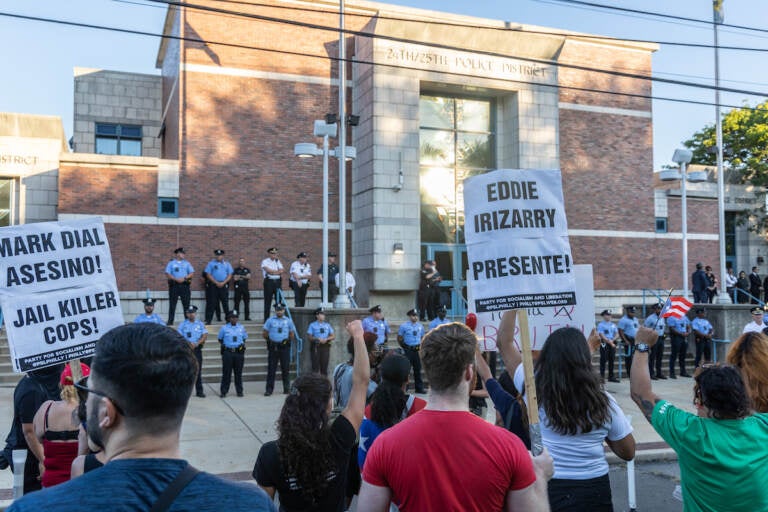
[676,307]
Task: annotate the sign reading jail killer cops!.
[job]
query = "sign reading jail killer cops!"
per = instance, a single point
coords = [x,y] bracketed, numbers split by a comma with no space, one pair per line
[517,240]
[57,291]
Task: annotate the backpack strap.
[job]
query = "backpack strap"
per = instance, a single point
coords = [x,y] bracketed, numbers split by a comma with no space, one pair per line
[408,405]
[169,495]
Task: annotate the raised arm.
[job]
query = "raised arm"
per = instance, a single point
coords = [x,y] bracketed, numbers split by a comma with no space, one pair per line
[483,370]
[640,378]
[505,341]
[361,375]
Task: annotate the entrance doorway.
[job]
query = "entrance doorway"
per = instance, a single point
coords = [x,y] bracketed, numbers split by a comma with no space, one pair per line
[452,264]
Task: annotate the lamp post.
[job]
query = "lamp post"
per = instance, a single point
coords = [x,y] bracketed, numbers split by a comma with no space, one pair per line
[683,158]
[308,150]
[342,301]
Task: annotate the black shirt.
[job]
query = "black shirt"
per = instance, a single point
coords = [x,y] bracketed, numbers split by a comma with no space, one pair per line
[29,395]
[241,283]
[268,472]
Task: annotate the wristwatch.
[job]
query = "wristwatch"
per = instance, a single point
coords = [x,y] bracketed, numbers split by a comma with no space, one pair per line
[642,347]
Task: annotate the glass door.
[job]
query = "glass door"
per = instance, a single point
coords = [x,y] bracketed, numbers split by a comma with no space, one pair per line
[451,260]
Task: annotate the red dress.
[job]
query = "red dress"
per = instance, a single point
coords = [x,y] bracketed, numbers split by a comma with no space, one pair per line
[60,448]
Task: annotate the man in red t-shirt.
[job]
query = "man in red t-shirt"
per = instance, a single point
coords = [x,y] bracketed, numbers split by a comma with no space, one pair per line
[446,458]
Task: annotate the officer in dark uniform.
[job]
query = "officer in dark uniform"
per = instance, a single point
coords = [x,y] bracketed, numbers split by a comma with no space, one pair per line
[333,269]
[179,273]
[278,331]
[232,337]
[241,277]
[195,333]
[219,273]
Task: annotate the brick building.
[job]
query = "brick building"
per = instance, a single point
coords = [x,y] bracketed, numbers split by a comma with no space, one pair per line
[202,155]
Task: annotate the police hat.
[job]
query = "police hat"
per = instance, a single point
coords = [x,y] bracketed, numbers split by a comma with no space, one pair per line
[375,309]
[631,309]
[191,309]
[232,313]
[756,311]
[412,312]
[658,305]
[605,312]
[319,310]
[301,255]
[700,310]
[441,309]
[331,254]
[218,252]
[149,301]
[272,250]
[179,250]
[279,307]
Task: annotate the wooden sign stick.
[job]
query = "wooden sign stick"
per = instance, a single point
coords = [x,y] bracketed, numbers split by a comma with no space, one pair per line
[77,372]
[530,383]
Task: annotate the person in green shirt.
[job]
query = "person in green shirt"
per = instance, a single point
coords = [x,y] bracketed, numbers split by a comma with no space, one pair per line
[722,450]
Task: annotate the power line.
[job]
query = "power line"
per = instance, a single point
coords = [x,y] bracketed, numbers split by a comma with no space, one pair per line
[579,67]
[357,61]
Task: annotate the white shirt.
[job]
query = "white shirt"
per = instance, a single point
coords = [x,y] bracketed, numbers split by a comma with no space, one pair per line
[350,282]
[271,265]
[731,280]
[302,270]
[753,327]
[580,456]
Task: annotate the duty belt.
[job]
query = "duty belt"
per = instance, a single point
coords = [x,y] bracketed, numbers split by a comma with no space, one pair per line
[284,342]
[239,348]
[415,348]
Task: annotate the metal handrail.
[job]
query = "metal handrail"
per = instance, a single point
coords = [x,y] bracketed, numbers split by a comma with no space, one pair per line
[299,346]
[653,292]
[736,291]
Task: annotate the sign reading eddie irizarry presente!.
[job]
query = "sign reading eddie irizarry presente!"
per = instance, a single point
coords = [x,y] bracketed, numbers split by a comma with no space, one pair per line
[517,240]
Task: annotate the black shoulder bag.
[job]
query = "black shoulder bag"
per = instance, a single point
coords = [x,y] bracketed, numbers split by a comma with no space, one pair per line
[169,495]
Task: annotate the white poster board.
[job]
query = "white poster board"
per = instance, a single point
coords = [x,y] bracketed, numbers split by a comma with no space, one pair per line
[543,320]
[517,241]
[57,291]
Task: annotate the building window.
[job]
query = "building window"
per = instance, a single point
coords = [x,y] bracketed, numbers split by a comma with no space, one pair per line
[456,141]
[6,201]
[731,222]
[118,139]
[661,224]
[167,207]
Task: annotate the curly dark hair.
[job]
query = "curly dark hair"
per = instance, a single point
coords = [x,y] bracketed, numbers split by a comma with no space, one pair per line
[722,391]
[389,400]
[304,436]
[568,387]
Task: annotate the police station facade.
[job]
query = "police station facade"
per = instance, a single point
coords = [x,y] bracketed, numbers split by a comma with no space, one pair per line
[207,147]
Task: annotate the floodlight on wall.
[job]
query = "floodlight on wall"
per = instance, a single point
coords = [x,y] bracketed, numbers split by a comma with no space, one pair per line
[353,120]
[398,248]
[331,118]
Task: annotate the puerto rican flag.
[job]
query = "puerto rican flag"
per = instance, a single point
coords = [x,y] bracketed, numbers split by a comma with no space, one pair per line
[676,307]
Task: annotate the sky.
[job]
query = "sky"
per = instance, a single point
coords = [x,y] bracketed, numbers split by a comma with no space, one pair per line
[38,58]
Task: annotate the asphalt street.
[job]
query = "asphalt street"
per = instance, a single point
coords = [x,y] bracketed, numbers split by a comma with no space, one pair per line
[655,482]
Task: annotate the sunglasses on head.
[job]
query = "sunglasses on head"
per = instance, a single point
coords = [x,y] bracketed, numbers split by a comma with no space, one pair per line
[83,390]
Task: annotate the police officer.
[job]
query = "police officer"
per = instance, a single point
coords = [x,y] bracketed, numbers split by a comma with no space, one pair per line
[440,318]
[299,279]
[409,337]
[232,338]
[149,314]
[702,335]
[179,273]
[377,325]
[628,326]
[278,331]
[320,334]
[679,329]
[333,271]
[272,270]
[241,277]
[608,333]
[656,322]
[219,273]
[195,333]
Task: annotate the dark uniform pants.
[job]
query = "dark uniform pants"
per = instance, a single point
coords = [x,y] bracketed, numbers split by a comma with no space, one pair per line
[655,357]
[175,292]
[232,360]
[607,355]
[629,352]
[199,357]
[413,356]
[242,294]
[299,293]
[270,290]
[278,352]
[320,355]
[703,347]
[679,350]
[211,303]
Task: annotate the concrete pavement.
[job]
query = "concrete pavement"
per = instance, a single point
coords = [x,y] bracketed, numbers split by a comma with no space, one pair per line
[223,436]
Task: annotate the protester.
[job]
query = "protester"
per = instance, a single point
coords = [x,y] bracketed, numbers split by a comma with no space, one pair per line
[58,430]
[342,374]
[389,405]
[721,449]
[464,462]
[750,354]
[92,457]
[576,415]
[140,384]
[307,465]
[32,390]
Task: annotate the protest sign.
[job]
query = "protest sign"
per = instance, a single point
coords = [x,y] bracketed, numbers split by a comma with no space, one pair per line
[543,320]
[517,241]
[58,292]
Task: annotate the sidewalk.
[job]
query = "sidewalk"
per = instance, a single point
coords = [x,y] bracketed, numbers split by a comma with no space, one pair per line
[223,436]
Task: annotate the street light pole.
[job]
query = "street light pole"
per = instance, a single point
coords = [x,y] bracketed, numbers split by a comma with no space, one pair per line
[324,302]
[341,299]
[722,297]
[684,226]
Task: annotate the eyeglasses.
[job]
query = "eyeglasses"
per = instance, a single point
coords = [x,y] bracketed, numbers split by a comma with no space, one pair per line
[83,390]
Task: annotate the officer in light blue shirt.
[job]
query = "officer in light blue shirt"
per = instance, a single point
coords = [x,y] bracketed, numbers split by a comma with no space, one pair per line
[179,273]
[320,334]
[608,333]
[218,273]
[149,314]
[409,337]
[628,326]
[679,329]
[655,321]
[702,335]
[439,319]
[377,325]
[278,331]
[195,333]
[232,336]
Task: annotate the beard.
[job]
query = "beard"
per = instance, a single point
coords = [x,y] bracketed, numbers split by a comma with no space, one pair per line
[93,429]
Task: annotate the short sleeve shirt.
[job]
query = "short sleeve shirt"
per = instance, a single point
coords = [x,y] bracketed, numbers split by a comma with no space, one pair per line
[154,318]
[278,328]
[678,325]
[654,322]
[232,336]
[701,326]
[412,332]
[629,326]
[438,321]
[192,331]
[607,329]
[271,265]
[320,329]
[378,327]
[219,270]
[179,268]
[303,270]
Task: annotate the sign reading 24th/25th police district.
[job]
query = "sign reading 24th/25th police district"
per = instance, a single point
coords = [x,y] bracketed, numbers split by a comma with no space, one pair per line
[57,291]
[517,240]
